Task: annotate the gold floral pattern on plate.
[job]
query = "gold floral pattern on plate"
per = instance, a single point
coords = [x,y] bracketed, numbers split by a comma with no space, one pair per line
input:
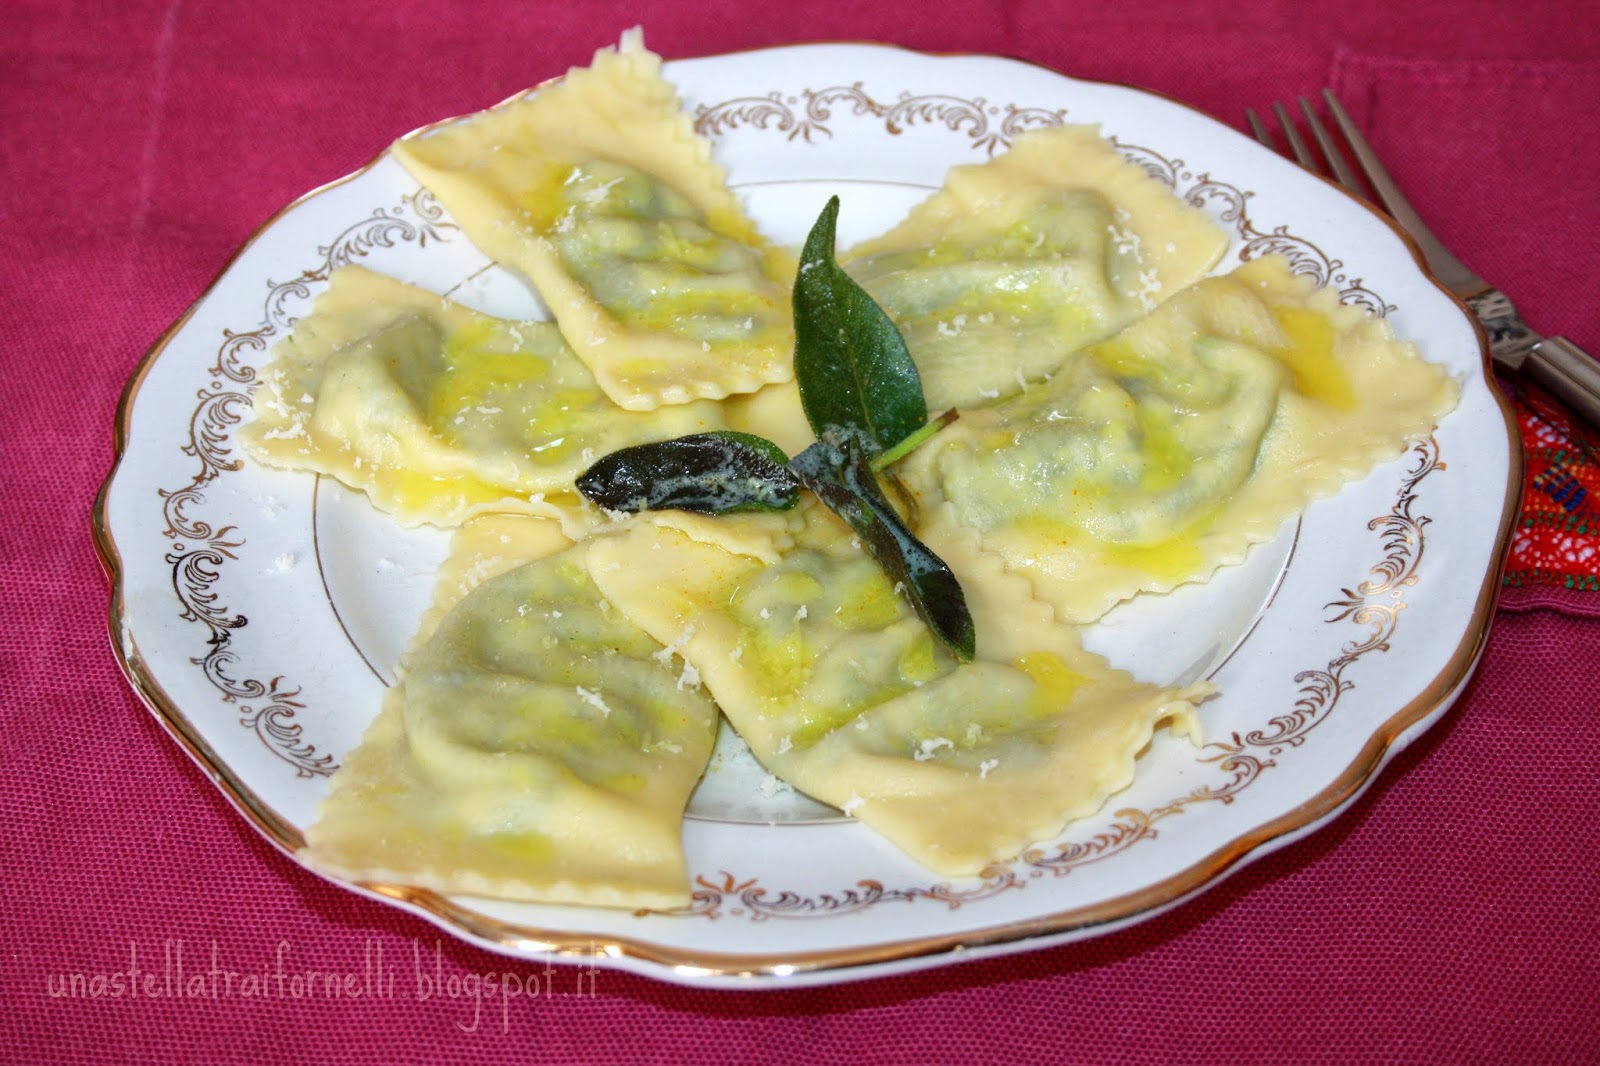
[991,128]
[199,550]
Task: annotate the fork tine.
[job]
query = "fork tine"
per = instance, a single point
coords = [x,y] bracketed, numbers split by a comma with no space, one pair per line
[1330,151]
[1257,128]
[1445,267]
[1388,192]
[1302,153]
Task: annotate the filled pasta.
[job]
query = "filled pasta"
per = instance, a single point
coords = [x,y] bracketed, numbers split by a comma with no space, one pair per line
[597,190]
[539,747]
[1017,262]
[1154,457]
[1127,425]
[841,691]
[436,411]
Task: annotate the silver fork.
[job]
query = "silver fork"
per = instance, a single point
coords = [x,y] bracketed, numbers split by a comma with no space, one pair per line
[1560,366]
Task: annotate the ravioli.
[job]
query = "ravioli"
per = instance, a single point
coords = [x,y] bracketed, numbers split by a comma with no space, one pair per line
[438,412]
[840,690]
[1017,262]
[539,747]
[597,189]
[1154,457]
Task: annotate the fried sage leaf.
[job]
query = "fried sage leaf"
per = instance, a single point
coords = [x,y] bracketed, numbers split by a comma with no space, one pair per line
[711,473]
[850,362]
[838,469]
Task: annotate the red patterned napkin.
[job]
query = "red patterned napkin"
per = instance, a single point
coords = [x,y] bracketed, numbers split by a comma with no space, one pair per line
[1555,548]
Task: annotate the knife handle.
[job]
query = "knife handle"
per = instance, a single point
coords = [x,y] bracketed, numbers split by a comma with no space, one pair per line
[1568,373]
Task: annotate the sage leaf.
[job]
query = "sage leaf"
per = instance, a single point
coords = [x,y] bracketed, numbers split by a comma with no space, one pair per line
[850,362]
[711,473]
[838,469]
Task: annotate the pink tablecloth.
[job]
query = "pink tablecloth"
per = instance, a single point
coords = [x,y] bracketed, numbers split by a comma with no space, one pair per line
[1449,915]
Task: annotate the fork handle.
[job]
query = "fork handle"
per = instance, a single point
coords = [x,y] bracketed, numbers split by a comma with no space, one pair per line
[1570,374]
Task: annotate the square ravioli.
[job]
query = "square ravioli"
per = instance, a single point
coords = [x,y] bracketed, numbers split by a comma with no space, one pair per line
[597,190]
[1017,262]
[1154,457]
[539,746]
[840,690]
[436,411]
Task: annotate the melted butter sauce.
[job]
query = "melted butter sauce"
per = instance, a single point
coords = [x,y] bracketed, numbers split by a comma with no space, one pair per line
[418,491]
[1170,559]
[1055,683]
[1316,371]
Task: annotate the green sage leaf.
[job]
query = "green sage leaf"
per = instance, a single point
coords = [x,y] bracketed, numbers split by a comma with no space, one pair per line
[850,361]
[711,473]
[838,469]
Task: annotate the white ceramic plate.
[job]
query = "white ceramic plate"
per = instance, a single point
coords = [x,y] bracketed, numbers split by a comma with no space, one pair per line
[260,614]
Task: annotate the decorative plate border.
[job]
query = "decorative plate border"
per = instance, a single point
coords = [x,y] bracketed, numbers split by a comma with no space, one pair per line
[991,128]
[199,550]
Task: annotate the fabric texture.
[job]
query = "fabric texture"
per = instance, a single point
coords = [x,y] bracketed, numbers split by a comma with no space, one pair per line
[1446,916]
[1513,118]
